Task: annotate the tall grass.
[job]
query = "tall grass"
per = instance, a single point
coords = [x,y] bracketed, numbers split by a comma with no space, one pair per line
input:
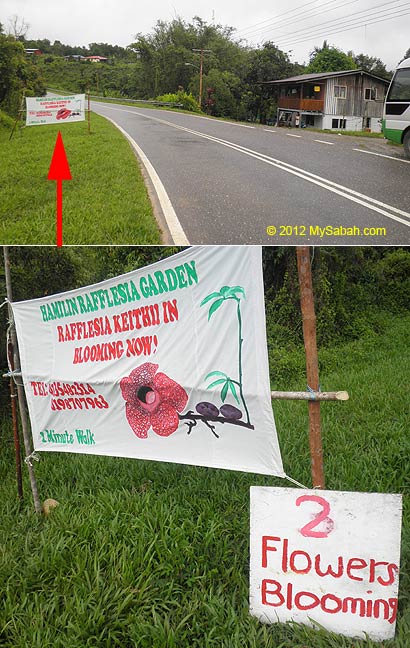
[106,202]
[155,555]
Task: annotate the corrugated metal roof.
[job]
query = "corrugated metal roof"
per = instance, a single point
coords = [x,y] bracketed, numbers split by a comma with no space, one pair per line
[322,75]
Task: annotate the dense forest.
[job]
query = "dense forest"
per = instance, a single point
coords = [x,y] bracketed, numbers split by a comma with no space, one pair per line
[163,63]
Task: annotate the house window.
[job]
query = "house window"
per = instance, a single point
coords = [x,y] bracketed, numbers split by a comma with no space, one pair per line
[340,92]
[370,94]
[339,123]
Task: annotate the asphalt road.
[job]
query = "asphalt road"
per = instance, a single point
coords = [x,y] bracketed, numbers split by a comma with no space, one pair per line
[226,183]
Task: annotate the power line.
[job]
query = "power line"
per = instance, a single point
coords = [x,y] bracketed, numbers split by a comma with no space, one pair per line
[310,37]
[278,16]
[342,22]
[339,24]
[302,16]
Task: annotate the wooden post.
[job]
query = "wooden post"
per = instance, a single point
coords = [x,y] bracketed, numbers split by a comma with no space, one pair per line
[20,390]
[312,367]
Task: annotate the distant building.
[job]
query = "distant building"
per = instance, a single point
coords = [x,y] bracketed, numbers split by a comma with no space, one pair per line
[96,59]
[351,100]
[33,51]
[74,57]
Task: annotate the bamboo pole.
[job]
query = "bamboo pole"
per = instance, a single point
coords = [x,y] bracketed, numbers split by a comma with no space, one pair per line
[16,437]
[20,389]
[21,110]
[89,111]
[310,396]
[312,366]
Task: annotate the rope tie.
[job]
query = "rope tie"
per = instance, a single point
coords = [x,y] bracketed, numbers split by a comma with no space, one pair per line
[312,391]
[296,482]
[31,457]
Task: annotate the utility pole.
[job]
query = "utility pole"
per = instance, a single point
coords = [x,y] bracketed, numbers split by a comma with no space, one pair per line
[201,59]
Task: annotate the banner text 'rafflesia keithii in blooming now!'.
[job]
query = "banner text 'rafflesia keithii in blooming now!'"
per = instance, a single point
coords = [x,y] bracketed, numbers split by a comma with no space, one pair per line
[168,362]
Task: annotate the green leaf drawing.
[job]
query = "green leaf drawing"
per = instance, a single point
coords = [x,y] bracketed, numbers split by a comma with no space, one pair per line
[217,382]
[215,373]
[237,289]
[233,390]
[209,297]
[235,293]
[215,307]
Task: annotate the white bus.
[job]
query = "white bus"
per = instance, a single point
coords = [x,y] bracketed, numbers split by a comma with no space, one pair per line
[396,118]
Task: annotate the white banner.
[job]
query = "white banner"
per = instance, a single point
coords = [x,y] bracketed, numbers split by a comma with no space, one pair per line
[55,110]
[326,559]
[168,363]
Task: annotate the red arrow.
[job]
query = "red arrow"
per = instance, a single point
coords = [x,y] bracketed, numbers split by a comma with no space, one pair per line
[59,170]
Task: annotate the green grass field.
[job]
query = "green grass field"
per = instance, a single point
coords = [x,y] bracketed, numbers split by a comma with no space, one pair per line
[106,201]
[155,555]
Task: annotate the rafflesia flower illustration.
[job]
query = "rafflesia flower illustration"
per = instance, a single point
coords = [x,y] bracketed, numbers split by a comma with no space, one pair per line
[152,400]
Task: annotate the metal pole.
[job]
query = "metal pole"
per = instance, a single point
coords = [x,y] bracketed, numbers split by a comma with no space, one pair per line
[20,390]
[312,367]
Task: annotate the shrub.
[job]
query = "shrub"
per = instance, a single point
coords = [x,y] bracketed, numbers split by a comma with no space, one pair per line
[187,101]
[393,274]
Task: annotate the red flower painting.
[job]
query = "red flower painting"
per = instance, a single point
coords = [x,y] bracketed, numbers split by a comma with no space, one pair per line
[152,400]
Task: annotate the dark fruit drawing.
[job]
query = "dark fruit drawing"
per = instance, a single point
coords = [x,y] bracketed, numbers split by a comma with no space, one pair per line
[207,409]
[231,412]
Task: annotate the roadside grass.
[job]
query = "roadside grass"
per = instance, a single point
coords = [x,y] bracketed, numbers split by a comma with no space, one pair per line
[155,555]
[348,133]
[106,202]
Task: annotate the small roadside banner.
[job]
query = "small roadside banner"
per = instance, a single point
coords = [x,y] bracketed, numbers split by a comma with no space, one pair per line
[326,559]
[55,110]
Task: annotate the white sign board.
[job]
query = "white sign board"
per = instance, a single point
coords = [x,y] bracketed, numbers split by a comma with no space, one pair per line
[168,362]
[326,557]
[55,110]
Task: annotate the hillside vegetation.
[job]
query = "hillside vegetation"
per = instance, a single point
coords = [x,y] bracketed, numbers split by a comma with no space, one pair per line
[165,62]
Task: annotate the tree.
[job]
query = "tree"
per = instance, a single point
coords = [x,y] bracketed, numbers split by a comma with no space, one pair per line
[17,74]
[406,56]
[164,53]
[370,64]
[267,63]
[225,92]
[329,59]
[18,27]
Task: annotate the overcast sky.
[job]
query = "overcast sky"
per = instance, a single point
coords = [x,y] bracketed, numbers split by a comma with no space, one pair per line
[374,27]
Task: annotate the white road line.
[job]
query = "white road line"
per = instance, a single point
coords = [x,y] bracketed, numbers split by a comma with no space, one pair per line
[389,157]
[269,130]
[174,226]
[220,121]
[345,192]
[290,135]
[324,142]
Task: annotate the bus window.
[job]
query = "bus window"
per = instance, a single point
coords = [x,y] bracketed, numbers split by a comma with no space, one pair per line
[396,117]
[400,87]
